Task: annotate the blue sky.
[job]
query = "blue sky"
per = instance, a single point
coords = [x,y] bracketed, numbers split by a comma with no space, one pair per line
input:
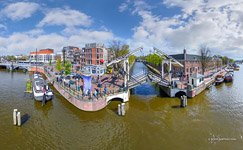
[169,25]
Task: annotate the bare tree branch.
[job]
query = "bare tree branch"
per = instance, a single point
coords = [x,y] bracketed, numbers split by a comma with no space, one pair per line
[205,58]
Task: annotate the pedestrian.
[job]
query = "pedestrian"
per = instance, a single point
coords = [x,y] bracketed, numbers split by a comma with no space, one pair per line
[95,93]
[105,90]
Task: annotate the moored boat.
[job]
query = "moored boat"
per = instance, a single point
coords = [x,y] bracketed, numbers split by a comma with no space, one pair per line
[41,90]
[219,79]
[228,77]
[237,68]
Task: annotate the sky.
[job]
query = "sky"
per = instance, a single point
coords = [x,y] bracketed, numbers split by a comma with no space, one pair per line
[170,25]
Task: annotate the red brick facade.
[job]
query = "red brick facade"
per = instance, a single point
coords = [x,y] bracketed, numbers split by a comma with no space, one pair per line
[193,65]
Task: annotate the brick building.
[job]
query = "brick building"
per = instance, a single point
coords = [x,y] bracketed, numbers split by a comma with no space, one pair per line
[192,65]
[93,54]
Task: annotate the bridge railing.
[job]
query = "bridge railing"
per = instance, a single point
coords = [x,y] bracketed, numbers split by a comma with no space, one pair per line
[156,78]
[79,94]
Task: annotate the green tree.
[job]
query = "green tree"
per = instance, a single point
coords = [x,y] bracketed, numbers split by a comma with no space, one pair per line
[11,58]
[231,60]
[131,59]
[227,60]
[67,68]
[50,62]
[119,48]
[153,59]
[59,64]
[224,60]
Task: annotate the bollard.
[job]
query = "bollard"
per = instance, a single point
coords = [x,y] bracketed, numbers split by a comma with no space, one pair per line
[185,97]
[123,109]
[15,116]
[119,109]
[182,102]
[19,118]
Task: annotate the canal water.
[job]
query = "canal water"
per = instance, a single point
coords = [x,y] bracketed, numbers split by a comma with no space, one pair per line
[212,120]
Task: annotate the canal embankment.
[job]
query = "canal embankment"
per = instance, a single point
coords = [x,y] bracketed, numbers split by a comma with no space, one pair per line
[85,103]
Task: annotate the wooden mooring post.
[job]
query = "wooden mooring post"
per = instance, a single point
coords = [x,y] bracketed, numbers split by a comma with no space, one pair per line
[15,116]
[121,109]
[183,101]
[19,118]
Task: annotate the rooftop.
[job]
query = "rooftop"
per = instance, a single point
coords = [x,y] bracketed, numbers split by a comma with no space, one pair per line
[188,57]
[43,51]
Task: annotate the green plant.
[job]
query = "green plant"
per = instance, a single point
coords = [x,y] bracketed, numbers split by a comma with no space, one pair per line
[67,68]
[59,64]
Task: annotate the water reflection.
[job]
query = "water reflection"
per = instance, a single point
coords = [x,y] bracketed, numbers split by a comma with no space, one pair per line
[146,89]
[150,121]
[44,109]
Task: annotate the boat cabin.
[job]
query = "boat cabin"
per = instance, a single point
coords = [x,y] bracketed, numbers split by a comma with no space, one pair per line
[196,80]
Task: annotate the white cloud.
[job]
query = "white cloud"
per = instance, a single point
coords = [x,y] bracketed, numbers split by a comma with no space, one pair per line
[124,6]
[65,17]
[22,43]
[20,10]
[216,23]
[3,27]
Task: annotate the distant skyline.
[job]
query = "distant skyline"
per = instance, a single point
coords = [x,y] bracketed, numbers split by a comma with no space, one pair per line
[170,25]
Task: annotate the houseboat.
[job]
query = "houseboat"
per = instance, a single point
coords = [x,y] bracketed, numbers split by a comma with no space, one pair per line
[219,79]
[228,77]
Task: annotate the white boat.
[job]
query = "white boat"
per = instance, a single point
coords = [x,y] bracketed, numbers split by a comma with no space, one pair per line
[41,88]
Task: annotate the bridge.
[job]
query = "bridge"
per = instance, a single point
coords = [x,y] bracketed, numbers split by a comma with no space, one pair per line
[19,65]
[165,82]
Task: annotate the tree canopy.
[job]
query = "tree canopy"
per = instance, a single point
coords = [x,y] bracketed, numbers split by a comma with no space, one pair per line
[59,64]
[118,48]
[121,49]
[67,68]
[153,59]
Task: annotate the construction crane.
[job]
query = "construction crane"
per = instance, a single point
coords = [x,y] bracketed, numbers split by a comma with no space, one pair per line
[124,57]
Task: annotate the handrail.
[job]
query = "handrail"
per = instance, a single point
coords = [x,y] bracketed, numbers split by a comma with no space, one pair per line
[159,52]
[119,59]
[80,96]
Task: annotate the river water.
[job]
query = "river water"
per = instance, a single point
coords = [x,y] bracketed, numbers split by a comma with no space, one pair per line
[212,120]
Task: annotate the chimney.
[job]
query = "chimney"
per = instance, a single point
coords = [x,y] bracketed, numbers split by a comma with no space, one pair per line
[184,52]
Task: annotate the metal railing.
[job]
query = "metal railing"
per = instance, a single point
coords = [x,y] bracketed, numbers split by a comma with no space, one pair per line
[78,94]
